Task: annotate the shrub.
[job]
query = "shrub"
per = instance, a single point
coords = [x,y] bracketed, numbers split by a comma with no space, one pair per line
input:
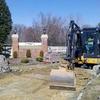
[24,60]
[28,53]
[41,54]
[40,59]
[15,55]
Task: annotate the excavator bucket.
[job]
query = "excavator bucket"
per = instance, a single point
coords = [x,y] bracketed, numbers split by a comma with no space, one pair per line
[62,79]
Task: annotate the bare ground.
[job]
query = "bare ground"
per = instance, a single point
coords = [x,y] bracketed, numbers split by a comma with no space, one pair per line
[92,91]
[32,83]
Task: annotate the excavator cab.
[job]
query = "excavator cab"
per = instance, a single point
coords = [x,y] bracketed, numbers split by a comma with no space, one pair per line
[91,46]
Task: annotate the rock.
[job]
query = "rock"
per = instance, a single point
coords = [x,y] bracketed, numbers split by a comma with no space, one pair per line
[4,67]
[96,69]
[98,98]
[51,57]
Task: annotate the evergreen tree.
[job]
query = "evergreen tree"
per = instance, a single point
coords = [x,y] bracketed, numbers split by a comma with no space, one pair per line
[5,22]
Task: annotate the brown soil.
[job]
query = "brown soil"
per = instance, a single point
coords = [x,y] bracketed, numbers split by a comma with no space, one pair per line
[21,84]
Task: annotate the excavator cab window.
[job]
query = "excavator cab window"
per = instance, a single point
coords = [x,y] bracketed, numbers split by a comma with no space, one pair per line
[89,45]
[91,42]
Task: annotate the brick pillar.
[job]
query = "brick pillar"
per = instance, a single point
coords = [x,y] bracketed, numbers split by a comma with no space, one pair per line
[44,41]
[15,43]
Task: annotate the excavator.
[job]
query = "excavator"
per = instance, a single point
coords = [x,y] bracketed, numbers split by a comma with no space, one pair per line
[83,49]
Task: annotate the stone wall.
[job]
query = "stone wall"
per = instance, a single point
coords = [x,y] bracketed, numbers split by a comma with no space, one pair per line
[35,47]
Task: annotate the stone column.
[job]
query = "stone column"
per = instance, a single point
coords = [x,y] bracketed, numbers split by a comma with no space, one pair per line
[15,43]
[44,41]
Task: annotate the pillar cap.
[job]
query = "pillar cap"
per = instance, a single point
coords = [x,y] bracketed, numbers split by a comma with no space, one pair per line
[15,36]
[44,36]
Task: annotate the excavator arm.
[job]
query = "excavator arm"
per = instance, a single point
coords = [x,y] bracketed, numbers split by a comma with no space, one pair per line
[74,43]
[61,77]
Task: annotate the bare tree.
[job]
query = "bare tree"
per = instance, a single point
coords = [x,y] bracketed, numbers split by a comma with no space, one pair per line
[28,34]
[36,32]
[19,29]
[55,28]
[98,25]
[86,26]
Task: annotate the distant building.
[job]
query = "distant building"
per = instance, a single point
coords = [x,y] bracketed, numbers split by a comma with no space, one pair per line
[35,47]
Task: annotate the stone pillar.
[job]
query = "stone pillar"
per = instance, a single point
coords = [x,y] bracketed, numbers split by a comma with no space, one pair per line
[44,41]
[15,43]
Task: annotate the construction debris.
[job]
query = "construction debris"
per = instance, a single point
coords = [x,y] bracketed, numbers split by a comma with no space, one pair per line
[4,67]
[51,57]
